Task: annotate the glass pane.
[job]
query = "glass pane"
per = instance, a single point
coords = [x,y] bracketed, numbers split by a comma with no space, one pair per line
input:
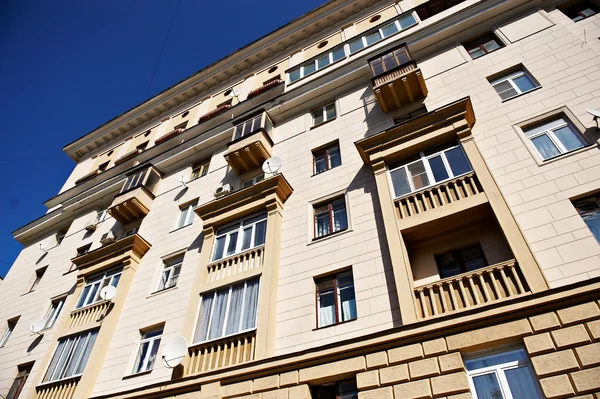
[524,83]
[372,38]
[232,244]
[569,138]
[164,280]
[320,163]
[294,75]
[246,239]
[389,29]
[204,317]
[93,293]
[400,182]
[487,387]
[250,304]
[84,294]
[491,45]
[500,358]
[323,61]
[153,352]
[458,161]
[338,54]
[219,248]
[407,21]
[502,86]
[402,56]
[447,265]
[260,233]
[472,258]
[309,68]
[235,309]
[334,156]
[340,219]
[587,12]
[592,220]
[355,45]
[549,125]
[115,280]
[347,303]
[326,308]
[86,353]
[140,357]
[218,314]
[521,384]
[322,224]
[476,52]
[545,146]
[505,95]
[238,133]
[318,117]
[389,62]
[377,67]
[330,110]
[438,168]
[418,174]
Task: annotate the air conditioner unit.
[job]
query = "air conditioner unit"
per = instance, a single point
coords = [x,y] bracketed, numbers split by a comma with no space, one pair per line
[107,238]
[91,225]
[222,190]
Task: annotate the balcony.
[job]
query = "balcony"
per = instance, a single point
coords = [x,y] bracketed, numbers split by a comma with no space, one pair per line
[62,389]
[252,259]
[221,353]
[397,81]
[136,196]
[251,144]
[88,316]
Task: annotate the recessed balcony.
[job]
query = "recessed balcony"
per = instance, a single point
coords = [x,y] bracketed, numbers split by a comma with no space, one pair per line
[397,80]
[251,144]
[136,196]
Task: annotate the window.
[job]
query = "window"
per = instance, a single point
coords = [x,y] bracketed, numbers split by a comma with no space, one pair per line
[330,217]
[134,180]
[186,215]
[53,312]
[323,114]
[389,61]
[554,137]
[101,215]
[39,273]
[503,375]
[181,126]
[200,171]
[102,167]
[253,181]
[336,302]
[91,291]
[11,324]
[428,167]
[589,210]
[131,231]
[580,11]
[147,350]
[146,177]
[228,311]
[337,390]
[326,158]
[83,250]
[460,261]
[252,231]
[483,45]
[142,147]
[19,381]
[61,234]
[514,84]
[318,63]
[253,125]
[170,273]
[71,356]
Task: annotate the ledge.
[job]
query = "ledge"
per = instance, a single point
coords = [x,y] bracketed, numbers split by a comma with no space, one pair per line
[134,243]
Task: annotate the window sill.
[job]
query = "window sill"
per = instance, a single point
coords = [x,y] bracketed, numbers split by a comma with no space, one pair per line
[156,293]
[521,94]
[329,236]
[335,324]
[141,373]
[180,228]
[322,123]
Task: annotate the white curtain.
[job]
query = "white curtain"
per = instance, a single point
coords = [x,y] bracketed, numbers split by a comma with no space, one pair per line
[53,363]
[88,349]
[250,304]
[235,309]
[326,308]
[348,302]
[520,381]
[487,387]
[218,314]
[153,352]
[204,318]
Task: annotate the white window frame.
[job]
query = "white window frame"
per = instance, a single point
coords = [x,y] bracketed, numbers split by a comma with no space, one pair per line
[101,280]
[10,327]
[187,212]
[499,371]
[167,272]
[510,78]
[76,337]
[323,109]
[240,235]
[550,133]
[226,316]
[53,312]
[101,215]
[152,342]
[425,160]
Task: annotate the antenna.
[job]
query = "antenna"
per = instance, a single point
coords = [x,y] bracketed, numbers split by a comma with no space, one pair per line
[271,165]
[174,352]
[37,326]
[107,293]
[181,179]
[595,113]
[43,249]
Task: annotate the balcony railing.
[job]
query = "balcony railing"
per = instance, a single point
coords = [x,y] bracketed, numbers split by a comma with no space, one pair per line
[88,315]
[483,286]
[440,195]
[64,389]
[214,112]
[236,264]
[397,80]
[222,353]
[264,88]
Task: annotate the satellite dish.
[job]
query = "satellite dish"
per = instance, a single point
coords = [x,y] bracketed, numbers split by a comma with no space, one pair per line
[234,93]
[181,180]
[174,352]
[37,326]
[107,293]
[271,165]
[43,249]
[594,112]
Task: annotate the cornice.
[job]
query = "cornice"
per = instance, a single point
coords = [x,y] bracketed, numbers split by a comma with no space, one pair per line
[134,244]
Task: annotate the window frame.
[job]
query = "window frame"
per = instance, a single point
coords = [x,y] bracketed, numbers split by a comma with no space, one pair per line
[314,390]
[227,309]
[455,252]
[24,370]
[240,233]
[323,109]
[187,212]
[552,137]
[424,159]
[99,278]
[200,170]
[585,214]
[39,274]
[578,10]
[324,151]
[170,268]
[489,35]
[68,353]
[499,369]
[11,324]
[329,203]
[509,77]
[337,296]
[152,343]
[53,312]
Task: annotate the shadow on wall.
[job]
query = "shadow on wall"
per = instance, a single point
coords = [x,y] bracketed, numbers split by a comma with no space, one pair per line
[197,243]
[365,181]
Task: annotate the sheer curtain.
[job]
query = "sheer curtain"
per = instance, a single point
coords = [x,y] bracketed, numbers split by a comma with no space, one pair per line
[322,222]
[153,352]
[545,146]
[235,309]
[88,349]
[520,381]
[204,318]
[340,219]
[53,363]
[218,314]
[592,219]
[250,305]
[487,387]
[348,302]
[326,308]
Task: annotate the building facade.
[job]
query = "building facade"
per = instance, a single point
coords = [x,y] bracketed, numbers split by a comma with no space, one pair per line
[381,200]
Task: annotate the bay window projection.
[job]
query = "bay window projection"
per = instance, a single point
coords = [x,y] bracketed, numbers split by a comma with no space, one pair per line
[71,356]
[330,217]
[228,311]
[91,291]
[240,236]
[554,137]
[170,272]
[504,375]
[53,312]
[147,350]
[429,167]
[336,302]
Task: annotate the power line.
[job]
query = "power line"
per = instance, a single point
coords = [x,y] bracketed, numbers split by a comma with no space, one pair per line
[163,48]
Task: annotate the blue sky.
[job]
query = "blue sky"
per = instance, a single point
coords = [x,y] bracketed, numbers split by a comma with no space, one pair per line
[69,66]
